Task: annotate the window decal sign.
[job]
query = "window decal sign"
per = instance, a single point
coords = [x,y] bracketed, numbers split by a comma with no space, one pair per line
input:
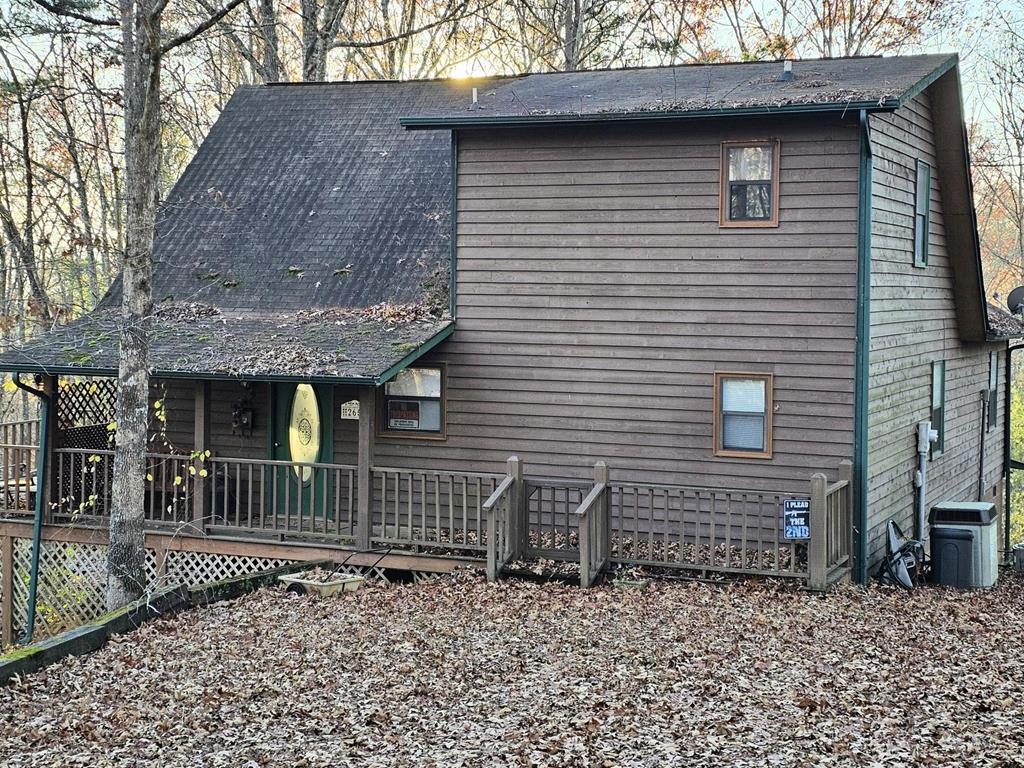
[796,519]
[403,414]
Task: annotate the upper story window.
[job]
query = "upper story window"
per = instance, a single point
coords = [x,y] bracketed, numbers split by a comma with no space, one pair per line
[743,415]
[922,212]
[413,403]
[750,184]
[938,412]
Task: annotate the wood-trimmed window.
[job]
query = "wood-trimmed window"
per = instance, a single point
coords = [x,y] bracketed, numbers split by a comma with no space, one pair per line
[993,391]
[743,415]
[938,410]
[922,212]
[413,404]
[749,192]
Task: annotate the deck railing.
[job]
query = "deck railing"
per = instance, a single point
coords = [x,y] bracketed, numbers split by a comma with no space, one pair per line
[217,495]
[596,524]
[19,441]
[705,529]
[830,551]
[502,512]
[423,508]
[592,516]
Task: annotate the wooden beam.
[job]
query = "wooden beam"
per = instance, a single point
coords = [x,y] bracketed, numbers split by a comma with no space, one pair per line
[200,441]
[364,482]
[176,541]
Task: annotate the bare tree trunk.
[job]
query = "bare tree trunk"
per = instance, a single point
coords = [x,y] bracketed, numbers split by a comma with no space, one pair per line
[126,555]
[268,29]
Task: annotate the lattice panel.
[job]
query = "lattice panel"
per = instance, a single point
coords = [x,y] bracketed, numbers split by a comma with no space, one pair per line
[71,589]
[194,568]
[85,403]
[375,573]
[72,585]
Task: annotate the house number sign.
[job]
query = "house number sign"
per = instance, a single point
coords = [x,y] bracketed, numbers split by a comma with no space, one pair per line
[796,519]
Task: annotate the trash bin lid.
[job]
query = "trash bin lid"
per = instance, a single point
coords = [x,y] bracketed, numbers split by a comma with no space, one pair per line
[963,513]
[946,533]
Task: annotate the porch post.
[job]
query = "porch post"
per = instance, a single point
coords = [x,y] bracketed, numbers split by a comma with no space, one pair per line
[49,489]
[199,442]
[816,565]
[515,520]
[364,482]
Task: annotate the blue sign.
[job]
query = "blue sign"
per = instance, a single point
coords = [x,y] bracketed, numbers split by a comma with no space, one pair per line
[796,519]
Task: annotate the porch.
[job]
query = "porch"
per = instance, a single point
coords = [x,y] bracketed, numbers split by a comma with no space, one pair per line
[502,521]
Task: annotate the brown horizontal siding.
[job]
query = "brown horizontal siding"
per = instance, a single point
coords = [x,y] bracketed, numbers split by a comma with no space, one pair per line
[597,295]
[913,323]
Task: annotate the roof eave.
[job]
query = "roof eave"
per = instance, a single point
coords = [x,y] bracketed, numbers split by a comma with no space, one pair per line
[421,122]
[376,380]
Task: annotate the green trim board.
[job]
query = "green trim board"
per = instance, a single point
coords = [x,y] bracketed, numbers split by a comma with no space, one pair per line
[863,355]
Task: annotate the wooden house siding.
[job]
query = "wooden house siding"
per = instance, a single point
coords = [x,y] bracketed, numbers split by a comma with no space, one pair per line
[913,323]
[597,295]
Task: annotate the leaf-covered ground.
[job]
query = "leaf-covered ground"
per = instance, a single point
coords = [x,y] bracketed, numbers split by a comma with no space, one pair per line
[458,672]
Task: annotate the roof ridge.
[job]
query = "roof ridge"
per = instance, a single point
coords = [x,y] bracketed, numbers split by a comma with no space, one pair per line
[550,73]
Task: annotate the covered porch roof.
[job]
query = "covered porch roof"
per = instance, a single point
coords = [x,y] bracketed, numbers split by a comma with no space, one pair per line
[364,346]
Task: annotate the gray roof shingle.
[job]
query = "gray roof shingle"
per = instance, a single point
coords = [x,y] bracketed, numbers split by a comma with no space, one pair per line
[694,88]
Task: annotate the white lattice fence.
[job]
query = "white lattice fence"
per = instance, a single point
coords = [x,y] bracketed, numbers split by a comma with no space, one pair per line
[70,592]
[194,568]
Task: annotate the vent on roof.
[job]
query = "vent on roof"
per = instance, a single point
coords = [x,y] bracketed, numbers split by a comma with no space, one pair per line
[787,71]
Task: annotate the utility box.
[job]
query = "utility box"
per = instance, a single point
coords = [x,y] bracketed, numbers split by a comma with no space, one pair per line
[953,557]
[979,519]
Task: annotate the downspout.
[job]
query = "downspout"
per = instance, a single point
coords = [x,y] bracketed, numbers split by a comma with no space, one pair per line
[861,369]
[37,525]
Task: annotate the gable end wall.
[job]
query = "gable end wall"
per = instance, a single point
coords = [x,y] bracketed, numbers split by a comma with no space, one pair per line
[913,323]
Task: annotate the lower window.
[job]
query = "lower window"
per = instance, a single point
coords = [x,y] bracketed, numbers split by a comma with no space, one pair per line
[743,415]
[413,403]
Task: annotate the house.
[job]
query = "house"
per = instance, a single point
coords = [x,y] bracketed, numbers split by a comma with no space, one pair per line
[679,296]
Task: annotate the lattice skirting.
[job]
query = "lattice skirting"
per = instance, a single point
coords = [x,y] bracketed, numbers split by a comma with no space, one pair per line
[72,580]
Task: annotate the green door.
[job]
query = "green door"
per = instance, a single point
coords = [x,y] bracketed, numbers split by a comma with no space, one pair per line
[302,432]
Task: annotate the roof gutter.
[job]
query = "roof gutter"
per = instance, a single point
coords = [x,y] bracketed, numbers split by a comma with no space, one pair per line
[425,122]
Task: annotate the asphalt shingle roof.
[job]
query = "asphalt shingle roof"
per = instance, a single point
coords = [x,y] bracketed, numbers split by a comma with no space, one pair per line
[693,88]
[309,197]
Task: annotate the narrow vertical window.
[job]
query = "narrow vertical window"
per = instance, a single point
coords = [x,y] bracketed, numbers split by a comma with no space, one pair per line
[938,414]
[993,389]
[743,415]
[750,184]
[922,213]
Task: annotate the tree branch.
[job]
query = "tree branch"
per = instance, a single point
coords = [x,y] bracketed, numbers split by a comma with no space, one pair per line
[193,33]
[58,9]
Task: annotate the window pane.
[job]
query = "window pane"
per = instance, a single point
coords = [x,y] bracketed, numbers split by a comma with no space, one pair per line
[750,163]
[742,432]
[416,382]
[743,395]
[923,188]
[414,415]
[750,201]
[938,374]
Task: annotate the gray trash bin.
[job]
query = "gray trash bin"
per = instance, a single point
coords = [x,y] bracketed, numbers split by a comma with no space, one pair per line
[978,518]
[953,557]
